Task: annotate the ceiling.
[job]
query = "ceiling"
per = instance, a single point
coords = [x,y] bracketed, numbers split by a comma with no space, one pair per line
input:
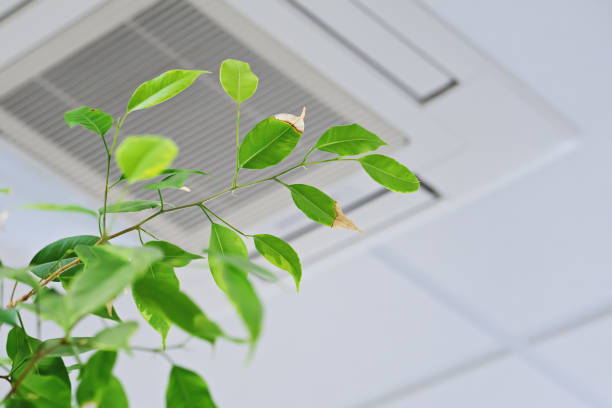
[504,300]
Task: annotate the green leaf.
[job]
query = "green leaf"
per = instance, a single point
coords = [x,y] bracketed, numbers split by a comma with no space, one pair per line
[113,396]
[90,118]
[186,389]
[5,190]
[388,172]
[116,337]
[130,206]
[241,263]
[78,344]
[95,377]
[348,140]
[178,308]
[267,144]
[9,316]
[280,254]
[103,313]
[19,275]
[59,207]
[45,391]
[144,157]
[56,254]
[176,180]
[232,280]
[164,274]
[172,254]
[175,171]
[317,205]
[162,88]
[108,269]
[238,80]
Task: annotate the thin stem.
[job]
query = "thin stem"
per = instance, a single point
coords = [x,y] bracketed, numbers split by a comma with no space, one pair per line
[308,154]
[237,144]
[149,234]
[109,155]
[161,199]
[204,210]
[225,222]
[140,237]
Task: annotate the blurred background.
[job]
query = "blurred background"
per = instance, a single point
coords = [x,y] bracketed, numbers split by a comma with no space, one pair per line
[490,287]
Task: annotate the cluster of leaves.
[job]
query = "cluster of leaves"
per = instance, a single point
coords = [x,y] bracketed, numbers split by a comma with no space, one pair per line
[78,276]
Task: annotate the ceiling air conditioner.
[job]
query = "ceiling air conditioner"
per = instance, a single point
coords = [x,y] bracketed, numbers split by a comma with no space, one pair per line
[449,113]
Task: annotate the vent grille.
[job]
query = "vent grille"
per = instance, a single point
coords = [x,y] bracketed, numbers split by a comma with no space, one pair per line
[168,35]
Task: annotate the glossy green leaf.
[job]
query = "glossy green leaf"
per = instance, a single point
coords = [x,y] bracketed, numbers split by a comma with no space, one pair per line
[144,157]
[58,253]
[237,79]
[95,377]
[45,391]
[116,337]
[186,389]
[60,208]
[348,140]
[162,88]
[390,173]
[8,316]
[113,395]
[90,118]
[317,205]
[163,273]
[46,269]
[19,275]
[178,308]
[267,144]
[280,254]
[172,254]
[130,206]
[232,280]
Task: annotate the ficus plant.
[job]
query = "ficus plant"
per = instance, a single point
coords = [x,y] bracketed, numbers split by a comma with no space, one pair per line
[82,275]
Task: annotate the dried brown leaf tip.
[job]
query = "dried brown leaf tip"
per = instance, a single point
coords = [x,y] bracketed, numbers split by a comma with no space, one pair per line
[296,121]
[341,221]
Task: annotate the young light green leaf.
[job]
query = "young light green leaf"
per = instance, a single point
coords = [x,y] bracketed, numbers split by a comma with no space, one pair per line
[58,254]
[348,140]
[388,172]
[90,118]
[232,280]
[186,389]
[144,157]
[116,337]
[131,206]
[60,207]
[5,190]
[172,254]
[244,264]
[317,205]
[178,308]
[19,275]
[267,144]
[162,88]
[95,378]
[237,79]
[44,391]
[280,254]
[8,316]
[163,273]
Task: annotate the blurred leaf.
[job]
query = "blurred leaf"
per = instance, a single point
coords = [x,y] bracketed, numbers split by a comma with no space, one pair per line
[144,157]
[60,207]
[113,396]
[280,254]
[162,88]
[242,263]
[91,119]
[164,274]
[95,377]
[186,389]
[5,190]
[176,180]
[116,337]
[47,260]
[172,254]
[348,140]
[45,391]
[130,206]
[391,174]
[19,275]
[237,79]
[178,308]
[317,205]
[267,144]
[232,280]
[9,316]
